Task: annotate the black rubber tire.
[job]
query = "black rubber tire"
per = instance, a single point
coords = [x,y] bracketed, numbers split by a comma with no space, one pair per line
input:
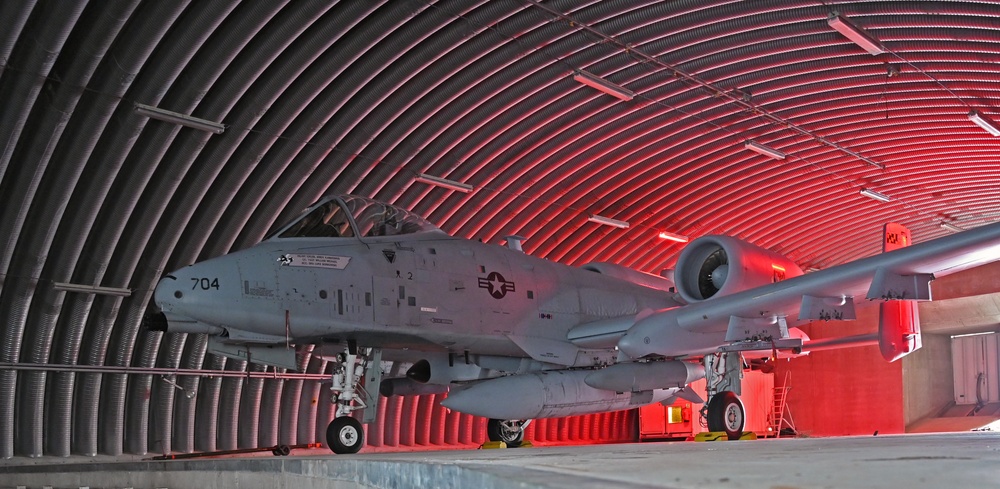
[495,431]
[282,450]
[345,435]
[726,413]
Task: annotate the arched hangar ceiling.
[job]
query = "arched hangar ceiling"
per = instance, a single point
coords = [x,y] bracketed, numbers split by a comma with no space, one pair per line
[362,96]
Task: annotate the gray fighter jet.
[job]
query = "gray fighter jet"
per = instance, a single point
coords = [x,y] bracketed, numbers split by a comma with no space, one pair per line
[513,337]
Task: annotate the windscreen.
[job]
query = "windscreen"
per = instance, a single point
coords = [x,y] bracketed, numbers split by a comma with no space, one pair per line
[329,220]
[380,219]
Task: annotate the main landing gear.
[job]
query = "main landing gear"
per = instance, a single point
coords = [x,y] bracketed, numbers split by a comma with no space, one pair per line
[724,411]
[345,433]
[511,432]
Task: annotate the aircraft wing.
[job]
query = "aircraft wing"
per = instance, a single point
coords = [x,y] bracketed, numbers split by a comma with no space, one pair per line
[826,294]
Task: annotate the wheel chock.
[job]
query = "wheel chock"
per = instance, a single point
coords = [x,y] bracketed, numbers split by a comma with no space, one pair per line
[722,436]
[492,444]
[526,444]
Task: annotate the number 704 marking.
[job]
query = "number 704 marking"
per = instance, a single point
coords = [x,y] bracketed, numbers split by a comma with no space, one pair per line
[205,283]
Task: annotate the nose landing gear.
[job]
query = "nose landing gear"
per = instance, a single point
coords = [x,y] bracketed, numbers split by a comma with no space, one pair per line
[345,434]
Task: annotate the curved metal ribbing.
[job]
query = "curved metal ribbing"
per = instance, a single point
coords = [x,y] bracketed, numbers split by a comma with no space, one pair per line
[250,402]
[184,404]
[230,399]
[310,402]
[207,413]
[269,425]
[75,72]
[18,188]
[291,399]
[360,96]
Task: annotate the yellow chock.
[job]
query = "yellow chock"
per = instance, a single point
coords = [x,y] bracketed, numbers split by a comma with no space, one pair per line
[526,444]
[722,436]
[493,444]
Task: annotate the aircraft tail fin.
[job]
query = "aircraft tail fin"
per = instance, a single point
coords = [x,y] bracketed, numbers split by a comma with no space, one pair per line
[899,322]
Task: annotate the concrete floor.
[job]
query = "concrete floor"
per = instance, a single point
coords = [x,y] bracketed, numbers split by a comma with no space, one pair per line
[907,461]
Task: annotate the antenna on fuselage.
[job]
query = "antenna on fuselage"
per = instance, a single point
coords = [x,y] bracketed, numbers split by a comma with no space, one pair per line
[514,242]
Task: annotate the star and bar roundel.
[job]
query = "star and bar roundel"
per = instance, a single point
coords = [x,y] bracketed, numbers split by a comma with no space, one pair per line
[496,285]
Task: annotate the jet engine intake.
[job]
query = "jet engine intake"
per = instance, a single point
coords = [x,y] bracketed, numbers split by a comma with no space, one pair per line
[715,266]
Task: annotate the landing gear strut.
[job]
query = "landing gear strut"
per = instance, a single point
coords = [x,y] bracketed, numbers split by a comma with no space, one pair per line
[511,432]
[724,410]
[345,434]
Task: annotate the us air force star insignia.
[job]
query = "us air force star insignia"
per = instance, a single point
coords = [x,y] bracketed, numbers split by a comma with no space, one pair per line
[390,255]
[496,285]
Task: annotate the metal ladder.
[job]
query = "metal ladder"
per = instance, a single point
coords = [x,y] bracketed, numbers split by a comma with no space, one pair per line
[781,415]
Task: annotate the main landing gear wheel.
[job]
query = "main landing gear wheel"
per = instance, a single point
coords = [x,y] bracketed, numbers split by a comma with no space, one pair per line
[725,413]
[510,432]
[345,435]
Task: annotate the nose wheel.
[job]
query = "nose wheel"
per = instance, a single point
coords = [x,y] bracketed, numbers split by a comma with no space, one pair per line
[345,435]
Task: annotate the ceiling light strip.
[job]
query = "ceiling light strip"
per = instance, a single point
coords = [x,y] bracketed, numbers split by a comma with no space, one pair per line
[444,182]
[607,221]
[603,85]
[680,238]
[989,125]
[951,227]
[178,118]
[856,34]
[764,150]
[91,289]
[871,194]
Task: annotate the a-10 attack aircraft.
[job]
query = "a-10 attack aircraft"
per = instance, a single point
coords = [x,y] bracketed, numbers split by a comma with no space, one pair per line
[513,337]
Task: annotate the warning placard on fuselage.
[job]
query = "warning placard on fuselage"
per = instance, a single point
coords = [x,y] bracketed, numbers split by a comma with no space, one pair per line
[314,261]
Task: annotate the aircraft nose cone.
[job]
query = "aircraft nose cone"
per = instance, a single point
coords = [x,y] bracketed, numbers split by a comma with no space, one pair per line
[166,289]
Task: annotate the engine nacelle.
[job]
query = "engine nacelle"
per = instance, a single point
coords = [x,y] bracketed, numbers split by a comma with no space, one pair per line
[715,266]
[630,275]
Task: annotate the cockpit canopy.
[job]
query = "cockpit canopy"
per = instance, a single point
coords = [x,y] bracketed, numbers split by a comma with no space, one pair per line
[352,216]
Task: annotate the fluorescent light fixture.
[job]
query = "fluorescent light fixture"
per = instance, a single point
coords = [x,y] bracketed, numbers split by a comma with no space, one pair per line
[860,36]
[444,182]
[603,85]
[680,238]
[951,227]
[984,122]
[607,221]
[871,194]
[91,289]
[178,118]
[764,150]
[966,335]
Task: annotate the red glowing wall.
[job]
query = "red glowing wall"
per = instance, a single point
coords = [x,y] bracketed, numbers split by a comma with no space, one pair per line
[851,391]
